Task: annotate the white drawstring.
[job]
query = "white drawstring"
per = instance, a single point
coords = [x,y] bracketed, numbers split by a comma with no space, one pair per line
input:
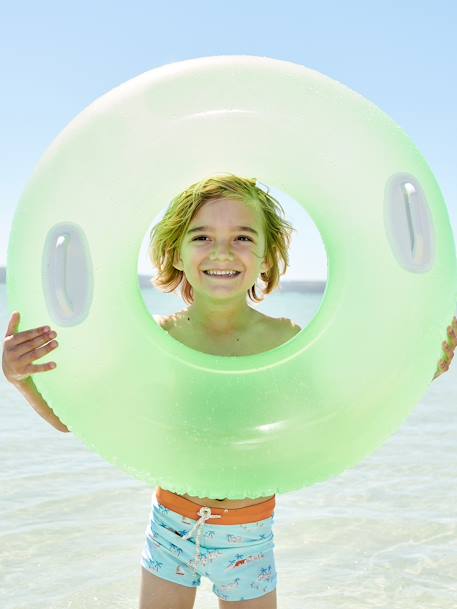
[205,514]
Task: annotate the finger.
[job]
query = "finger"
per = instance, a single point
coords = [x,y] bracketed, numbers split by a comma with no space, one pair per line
[33,343]
[40,367]
[26,335]
[44,350]
[13,323]
[28,357]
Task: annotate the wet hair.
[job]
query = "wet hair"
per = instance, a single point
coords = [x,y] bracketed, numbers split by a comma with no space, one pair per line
[166,237]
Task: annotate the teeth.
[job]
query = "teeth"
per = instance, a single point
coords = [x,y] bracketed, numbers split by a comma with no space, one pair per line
[221,272]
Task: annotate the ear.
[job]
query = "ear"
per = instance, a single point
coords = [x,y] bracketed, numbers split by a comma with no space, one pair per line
[265,266]
[177,263]
[268,259]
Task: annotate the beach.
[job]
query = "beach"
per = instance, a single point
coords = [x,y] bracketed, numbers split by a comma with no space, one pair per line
[382,534]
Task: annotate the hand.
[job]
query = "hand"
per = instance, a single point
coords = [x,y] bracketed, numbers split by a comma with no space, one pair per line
[448,349]
[20,349]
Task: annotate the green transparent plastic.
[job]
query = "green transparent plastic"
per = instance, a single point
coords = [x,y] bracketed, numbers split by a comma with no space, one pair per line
[249,426]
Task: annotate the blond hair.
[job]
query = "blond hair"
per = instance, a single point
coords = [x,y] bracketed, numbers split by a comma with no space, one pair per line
[166,237]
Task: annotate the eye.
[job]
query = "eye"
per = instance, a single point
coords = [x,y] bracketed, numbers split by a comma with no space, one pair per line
[204,237]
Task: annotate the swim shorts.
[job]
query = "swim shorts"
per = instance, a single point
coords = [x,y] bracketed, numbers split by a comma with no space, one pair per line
[232,547]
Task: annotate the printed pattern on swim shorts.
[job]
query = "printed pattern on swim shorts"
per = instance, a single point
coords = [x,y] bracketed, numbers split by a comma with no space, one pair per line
[238,559]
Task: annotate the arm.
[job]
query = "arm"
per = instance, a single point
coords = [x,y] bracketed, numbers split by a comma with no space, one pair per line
[29,390]
[20,349]
[448,349]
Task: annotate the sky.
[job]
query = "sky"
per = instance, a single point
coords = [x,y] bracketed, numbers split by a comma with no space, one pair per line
[56,59]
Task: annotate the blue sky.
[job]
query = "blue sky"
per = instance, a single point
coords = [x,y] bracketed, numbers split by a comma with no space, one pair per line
[56,59]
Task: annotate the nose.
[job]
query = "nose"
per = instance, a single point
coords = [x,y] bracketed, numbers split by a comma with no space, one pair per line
[221,251]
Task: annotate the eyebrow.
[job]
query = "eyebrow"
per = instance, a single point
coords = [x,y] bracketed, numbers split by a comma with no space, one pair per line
[244,228]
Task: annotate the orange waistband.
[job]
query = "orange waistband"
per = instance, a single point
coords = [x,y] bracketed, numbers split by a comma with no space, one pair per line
[190,509]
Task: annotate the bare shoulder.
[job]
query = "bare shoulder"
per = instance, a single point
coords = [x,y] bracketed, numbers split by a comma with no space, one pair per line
[288,327]
[169,322]
[164,321]
[283,327]
[158,319]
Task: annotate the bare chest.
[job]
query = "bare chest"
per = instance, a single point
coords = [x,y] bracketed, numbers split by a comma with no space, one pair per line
[266,334]
[263,336]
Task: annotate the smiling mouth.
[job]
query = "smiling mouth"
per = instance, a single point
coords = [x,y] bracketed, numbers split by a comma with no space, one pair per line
[223,277]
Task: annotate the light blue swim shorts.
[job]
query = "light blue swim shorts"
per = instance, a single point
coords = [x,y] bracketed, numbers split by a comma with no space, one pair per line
[237,558]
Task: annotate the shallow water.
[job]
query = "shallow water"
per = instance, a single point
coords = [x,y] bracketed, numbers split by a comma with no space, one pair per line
[380,535]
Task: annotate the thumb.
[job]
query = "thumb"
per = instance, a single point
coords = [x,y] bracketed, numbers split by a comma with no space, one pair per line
[13,323]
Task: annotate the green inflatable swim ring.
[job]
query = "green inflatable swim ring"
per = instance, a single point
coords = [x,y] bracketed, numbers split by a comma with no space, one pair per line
[256,425]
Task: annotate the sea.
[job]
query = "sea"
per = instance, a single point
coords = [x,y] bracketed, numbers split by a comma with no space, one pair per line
[382,534]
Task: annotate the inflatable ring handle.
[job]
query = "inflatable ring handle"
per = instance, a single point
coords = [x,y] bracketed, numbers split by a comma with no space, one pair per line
[67,274]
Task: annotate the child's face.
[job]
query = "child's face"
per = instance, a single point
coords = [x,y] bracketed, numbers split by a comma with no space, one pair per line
[223,245]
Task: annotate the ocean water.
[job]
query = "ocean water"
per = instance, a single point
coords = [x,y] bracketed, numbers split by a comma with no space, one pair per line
[383,534]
